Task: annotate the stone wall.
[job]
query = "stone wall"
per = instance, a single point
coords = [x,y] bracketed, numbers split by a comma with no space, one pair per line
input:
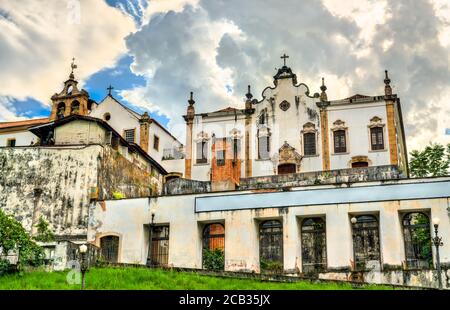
[118,178]
[57,183]
[49,182]
[340,176]
[185,186]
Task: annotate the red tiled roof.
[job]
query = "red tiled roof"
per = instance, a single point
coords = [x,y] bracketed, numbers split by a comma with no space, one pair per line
[27,122]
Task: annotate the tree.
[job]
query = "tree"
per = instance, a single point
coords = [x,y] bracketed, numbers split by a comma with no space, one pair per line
[44,234]
[433,161]
[13,237]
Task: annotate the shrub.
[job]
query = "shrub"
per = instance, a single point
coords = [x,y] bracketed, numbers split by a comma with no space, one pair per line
[213,259]
[13,237]
[271,266]
[4,266]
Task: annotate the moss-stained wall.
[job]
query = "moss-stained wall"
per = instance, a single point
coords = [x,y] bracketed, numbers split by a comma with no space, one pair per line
[49,182]
[56,183]
[118,178]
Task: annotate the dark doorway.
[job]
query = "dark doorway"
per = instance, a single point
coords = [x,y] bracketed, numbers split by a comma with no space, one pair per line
[286,168]
[271,246]
[360,164]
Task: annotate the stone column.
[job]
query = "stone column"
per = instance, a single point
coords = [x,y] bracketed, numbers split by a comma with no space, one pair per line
[324,135]
[189,118]
[144,131]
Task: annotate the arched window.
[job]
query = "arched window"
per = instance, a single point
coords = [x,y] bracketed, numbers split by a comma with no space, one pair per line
[366,242]
[309,139]
[417,238]
[61,109]
[271,246]
[214,246]
[314,252]
[75,107]
[263,118]
[109,246]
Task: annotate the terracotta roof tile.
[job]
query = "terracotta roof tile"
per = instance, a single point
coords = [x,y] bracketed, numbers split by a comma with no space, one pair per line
[27,122]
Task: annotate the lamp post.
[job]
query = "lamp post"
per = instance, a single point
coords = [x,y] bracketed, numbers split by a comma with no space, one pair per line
[83,267]
[152,212]
[437,241]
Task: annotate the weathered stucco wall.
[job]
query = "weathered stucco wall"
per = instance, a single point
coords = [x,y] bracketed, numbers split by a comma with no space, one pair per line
[52,182]
[117,175]
[129,220]
[57,182]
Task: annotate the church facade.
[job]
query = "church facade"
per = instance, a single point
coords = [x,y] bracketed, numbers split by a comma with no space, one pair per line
[292,130]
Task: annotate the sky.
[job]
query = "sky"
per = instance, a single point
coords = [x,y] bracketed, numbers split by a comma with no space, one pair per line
[155,52]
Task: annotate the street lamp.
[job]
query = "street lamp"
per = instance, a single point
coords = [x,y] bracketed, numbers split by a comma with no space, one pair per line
[152,212]
[437,241]
[353,220]
[83,267]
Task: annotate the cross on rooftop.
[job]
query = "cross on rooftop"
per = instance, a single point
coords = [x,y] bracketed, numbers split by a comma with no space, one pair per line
[110,88]
[284,58]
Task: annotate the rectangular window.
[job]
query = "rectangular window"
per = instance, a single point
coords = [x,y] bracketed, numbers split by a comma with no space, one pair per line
[220,157]
[376,138]
[159,255]
[202,151]
[129,135]
[236,148]
[309,144]
[339,142]
[264,147]
[156,142]
[11,142]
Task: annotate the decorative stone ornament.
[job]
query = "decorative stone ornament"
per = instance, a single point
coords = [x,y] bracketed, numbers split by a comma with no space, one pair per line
[284,105]
[288,155]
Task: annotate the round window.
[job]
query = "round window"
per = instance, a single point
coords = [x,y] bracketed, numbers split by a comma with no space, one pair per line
[106,116]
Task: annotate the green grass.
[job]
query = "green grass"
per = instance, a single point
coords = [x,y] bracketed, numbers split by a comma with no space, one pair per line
[154,279]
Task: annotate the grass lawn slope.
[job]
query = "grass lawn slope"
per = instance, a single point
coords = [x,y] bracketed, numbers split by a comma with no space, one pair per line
[154,279]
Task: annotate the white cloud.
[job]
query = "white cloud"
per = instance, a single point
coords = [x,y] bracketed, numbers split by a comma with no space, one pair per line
[39,38]
[7,110]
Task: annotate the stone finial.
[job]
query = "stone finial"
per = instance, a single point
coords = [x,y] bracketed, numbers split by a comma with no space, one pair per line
[323,88]
[249,93]
[387,82]
[191,99]
[145,116]
[190,109]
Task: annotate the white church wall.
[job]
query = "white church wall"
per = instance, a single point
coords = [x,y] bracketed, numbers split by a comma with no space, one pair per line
[287,126]
[166,141]
[23,138]
[120,119]
[357,118]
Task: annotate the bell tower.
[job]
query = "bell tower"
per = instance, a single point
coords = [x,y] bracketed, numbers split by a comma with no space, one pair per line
[70,100]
